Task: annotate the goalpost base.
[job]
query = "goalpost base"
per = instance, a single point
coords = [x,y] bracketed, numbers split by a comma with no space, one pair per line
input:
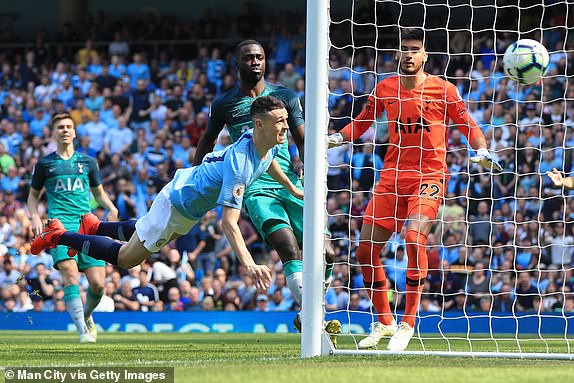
[327,346]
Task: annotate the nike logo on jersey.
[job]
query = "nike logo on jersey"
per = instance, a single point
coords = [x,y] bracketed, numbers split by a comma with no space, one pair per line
[392,102]
[51,170]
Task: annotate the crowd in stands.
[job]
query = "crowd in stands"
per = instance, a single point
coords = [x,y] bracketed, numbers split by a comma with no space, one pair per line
[502,243]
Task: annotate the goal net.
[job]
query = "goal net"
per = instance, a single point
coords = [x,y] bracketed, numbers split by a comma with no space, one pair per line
[500,264]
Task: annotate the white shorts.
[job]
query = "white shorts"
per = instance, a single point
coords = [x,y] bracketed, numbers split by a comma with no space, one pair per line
[162,221]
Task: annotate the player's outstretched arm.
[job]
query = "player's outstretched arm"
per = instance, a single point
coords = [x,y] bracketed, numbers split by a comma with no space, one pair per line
[484,159]
[558,180]
[278,175]
[260,273]
[478,143]
[335,140]
[104,201]
[32,202]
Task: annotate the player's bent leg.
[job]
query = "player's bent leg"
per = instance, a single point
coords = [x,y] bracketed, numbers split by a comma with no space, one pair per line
[117,230]
[96,278]
[420,223]
[330,258]
[368,256]
[69,271]
[375,280]
[133,253]
[95,246]
[284,242]
[417,270]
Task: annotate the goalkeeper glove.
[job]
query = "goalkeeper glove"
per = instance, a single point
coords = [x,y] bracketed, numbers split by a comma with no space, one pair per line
[484,159]
[335,140]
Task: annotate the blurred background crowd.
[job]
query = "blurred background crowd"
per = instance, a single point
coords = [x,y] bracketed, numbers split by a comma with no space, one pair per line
[502,242]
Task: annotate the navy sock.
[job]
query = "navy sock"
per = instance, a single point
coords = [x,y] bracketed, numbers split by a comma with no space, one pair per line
[118,230]
[95,246]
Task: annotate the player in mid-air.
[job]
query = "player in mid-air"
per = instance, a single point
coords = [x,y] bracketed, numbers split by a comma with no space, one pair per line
[221,179]
[277,215]
[68,177]
[413,180]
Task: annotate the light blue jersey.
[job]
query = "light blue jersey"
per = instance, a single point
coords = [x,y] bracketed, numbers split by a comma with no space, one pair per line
[221,178]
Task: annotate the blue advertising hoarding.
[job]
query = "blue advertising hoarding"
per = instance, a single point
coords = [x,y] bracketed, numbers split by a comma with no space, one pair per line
[282,322]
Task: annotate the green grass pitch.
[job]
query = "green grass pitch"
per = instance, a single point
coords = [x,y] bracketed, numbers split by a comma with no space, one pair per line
[253,358]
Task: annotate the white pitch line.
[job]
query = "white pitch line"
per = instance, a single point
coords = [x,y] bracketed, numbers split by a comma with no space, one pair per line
[164,363]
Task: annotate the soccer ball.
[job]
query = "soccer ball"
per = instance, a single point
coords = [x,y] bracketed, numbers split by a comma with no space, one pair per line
[525,61]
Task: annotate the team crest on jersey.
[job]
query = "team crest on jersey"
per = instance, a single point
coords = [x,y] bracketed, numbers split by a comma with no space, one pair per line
[238,190]
[80,168]
[160,242]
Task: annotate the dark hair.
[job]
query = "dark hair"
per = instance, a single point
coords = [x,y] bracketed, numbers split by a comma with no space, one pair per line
[265,104]
[56,117]
[416,34]
[245,43]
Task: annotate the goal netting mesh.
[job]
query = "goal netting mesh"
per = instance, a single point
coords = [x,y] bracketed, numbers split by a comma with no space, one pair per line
[500,274]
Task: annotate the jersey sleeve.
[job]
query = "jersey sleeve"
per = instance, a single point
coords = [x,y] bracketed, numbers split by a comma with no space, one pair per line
[38,176]
[236,176]
[365,119]
[456,110]
[294,108]
[217,118]
[94,173]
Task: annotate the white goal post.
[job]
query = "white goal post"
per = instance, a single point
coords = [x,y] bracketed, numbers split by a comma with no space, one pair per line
[357,48]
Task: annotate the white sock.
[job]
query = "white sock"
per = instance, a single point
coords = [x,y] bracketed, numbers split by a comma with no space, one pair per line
[295,283]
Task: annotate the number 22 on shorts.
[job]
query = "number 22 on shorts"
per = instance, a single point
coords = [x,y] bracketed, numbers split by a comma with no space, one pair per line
[430,190]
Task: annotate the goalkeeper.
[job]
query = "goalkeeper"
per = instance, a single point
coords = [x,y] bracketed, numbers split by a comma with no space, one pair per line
[413,179]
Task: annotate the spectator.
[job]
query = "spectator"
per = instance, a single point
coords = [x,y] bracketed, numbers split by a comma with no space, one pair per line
[96,130]
[366,166]
[140,106]
[146,293]
[190,296]
[288,77]
[138,71]
[525,292]
[119,47]
[125,299]
[396,269]
[6,161]
[154,156]
[105,80]
[118,139]
[278,302]
[174,302]
[9,276]
[262,303]
[11,181]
